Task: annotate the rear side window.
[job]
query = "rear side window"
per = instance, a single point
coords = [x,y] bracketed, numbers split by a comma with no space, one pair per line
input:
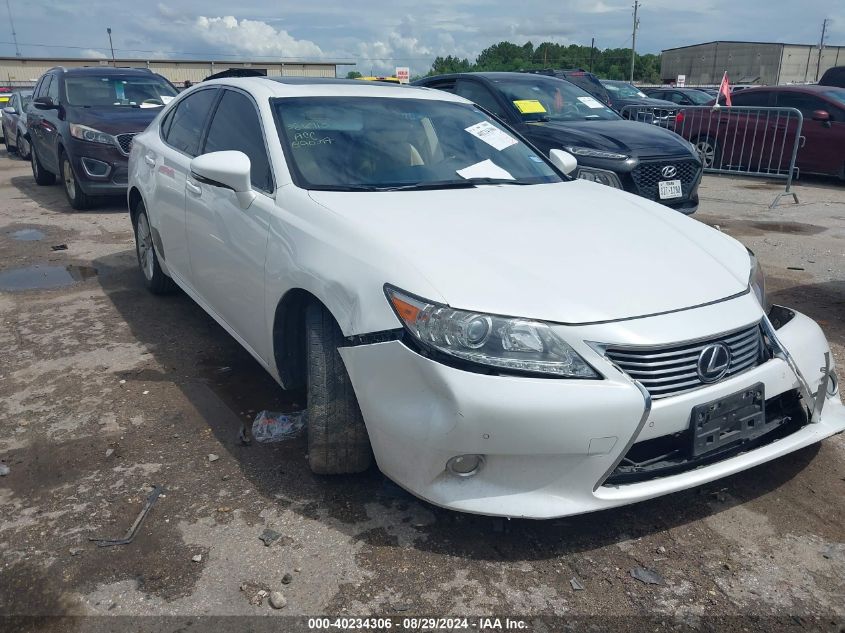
[236,126]
[187,120]
[753,97]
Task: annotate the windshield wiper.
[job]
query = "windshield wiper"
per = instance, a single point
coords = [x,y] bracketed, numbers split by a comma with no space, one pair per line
[454,184]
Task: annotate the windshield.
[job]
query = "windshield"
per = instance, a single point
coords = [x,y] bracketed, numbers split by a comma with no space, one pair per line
[625,91]
[698,97]
[539,98]
[114,90]
[381,143]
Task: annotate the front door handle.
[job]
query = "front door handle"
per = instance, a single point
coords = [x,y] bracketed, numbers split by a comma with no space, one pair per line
[194,189]
[151,161]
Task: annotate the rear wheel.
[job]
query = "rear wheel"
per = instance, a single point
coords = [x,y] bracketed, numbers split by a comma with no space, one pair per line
[709,151]
[41,175]
[155,279]
[337,437]
[75,196]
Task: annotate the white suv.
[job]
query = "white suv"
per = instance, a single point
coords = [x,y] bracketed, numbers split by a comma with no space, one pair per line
[503,339]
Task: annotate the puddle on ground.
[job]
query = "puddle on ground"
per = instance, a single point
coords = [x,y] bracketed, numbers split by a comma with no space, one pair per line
[28,235]
[40,277]
[761,228]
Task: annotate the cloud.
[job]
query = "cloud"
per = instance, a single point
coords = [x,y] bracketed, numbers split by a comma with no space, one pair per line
[93,54]
[253,37]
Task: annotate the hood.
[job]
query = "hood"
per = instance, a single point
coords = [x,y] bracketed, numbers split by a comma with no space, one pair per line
[614,136]
[116,120]
[571,252]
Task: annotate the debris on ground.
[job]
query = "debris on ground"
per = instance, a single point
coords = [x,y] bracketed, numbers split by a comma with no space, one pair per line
[270,426]
[109,452]
[794,268]
[59,247]
[197,558]
[269,536]
[133,530]
[212,457]
[76,551]
[577,585]
[277,600]
[297,570]
[647,576]
[287,579]
[4,470]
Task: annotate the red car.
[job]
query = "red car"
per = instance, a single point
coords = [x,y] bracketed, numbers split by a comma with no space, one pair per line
[760,141]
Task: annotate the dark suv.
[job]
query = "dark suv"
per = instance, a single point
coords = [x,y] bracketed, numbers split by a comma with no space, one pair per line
[81,123]
[551,113]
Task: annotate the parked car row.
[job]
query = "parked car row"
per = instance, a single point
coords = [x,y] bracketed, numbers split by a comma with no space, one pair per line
[499,335]
[14,126]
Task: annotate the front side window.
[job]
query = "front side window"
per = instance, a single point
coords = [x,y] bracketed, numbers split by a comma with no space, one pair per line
[187,120]
[698,97]
[235,126]
[53,90]
[624,91]
[802,101]
[139,91]
[383,143]
[477,93]
[539,98]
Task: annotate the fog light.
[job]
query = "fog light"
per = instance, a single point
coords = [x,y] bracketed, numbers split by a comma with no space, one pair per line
[832,384]
[465,465]
[95,168]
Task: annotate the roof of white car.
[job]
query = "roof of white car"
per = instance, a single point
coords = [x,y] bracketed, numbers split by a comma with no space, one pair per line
[329,87]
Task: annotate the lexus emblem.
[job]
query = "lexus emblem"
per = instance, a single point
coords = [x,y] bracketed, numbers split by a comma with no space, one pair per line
[713,362]
[669,171]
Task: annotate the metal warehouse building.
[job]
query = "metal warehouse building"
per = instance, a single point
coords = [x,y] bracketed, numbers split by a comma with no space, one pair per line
[762,63]
[25,70]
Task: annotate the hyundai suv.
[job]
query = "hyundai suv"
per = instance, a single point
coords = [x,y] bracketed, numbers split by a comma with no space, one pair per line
[81,124]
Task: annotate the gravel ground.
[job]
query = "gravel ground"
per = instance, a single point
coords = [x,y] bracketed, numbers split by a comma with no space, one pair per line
[106,391]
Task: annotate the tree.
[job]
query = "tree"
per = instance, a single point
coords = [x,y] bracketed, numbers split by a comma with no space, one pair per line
[449,64]
[353,74]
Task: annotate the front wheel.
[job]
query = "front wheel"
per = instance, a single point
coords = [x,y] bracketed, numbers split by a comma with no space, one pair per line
[155,279]
[708,149]
[75,196]
[41,175]
[337,437]
[22,146]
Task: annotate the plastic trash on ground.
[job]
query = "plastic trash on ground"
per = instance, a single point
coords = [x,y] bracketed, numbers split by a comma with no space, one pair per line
[271,426]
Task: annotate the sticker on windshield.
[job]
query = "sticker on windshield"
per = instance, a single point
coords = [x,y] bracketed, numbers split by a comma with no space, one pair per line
[529,106]
[491,135]
[484,169]
[590,102]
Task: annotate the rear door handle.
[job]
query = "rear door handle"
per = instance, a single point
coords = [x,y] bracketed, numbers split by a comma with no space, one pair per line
[150,160]
[194,189]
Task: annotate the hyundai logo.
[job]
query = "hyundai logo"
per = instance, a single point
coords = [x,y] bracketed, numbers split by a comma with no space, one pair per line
[713,362]
[669,171]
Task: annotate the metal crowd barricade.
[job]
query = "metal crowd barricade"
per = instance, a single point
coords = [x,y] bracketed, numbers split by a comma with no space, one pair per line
[739,140]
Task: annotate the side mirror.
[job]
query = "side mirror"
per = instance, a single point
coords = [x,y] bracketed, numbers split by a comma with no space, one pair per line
[227,170]
[44,103]
[564,161]
[821,115]
[9,110]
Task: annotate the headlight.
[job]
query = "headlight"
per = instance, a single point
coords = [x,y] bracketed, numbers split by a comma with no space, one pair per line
[86,133]
[601,176]
[518,345]
[757,282]
[595,153]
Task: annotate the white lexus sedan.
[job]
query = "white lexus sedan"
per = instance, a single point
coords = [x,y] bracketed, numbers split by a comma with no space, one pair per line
[501,338]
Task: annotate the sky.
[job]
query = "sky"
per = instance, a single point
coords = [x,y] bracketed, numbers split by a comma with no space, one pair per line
[379,35]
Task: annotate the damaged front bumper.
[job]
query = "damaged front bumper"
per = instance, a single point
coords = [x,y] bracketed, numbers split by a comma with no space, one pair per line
[551,447]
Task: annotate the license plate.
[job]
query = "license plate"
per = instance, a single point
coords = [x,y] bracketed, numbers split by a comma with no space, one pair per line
[670,189]
[741,416]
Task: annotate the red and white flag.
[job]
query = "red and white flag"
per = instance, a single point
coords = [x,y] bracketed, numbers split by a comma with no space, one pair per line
[725,89]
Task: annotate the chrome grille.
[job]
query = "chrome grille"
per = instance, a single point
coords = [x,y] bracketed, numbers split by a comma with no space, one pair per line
[125,142]
[647,175]
[669,370]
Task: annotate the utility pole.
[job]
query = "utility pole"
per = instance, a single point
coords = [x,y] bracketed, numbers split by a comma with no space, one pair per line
[821,48]
[592,50]
[111,46]
[634,38]
[14,35]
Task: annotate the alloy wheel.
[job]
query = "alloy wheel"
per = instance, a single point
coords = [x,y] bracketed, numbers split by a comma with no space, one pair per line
[146,256]
[70,180]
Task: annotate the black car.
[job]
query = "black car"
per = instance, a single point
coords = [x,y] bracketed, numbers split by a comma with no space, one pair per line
[834,76]
[81,123]
[633,103]
[681,96]
[584,79]
[15,134]
[554,114]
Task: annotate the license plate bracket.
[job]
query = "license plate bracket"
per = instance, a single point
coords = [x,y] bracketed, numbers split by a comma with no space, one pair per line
[735,418]
[668,189]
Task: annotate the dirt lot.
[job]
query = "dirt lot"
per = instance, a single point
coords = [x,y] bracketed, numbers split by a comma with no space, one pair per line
[106,391]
